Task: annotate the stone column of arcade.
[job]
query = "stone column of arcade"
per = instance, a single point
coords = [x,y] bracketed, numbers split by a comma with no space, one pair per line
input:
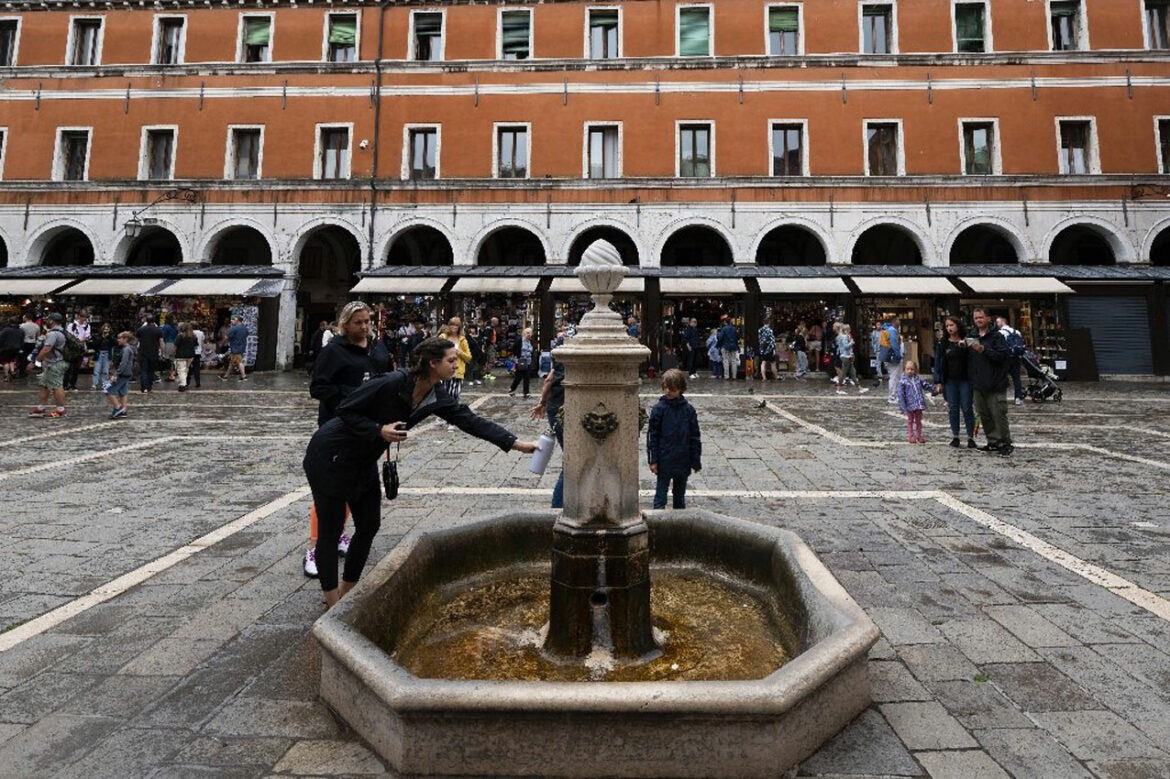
[600,593]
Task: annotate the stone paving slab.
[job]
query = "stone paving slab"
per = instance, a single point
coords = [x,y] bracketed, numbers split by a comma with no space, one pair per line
[994,661]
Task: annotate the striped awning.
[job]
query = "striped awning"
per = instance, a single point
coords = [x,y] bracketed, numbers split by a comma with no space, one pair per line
[501,284]
[702,286]
[816,285]
[904,286]
[31,286]
[114,286]
[1016,285]
[629,285]
[400,285]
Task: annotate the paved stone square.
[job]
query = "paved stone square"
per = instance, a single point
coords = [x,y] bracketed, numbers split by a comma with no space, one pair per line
[155,620]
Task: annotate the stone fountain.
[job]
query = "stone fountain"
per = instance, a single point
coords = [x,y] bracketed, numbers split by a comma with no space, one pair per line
[598,639]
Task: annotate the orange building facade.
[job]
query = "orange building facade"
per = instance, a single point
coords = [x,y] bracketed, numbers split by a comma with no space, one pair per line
[765,159]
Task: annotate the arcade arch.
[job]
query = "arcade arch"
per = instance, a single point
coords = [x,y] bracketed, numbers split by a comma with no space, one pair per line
[1081,244]
[886,244]
[511,246]
[618,238]
[420,245]
[983,245]
[695,246]
[791,245]
[155,247]
[241,245]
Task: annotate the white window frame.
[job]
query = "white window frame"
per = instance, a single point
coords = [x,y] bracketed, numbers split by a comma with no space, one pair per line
[500,31]
[156,38]
[894,49]
[804,155]
[229,157]
[996,145]
[678,9]
[1082,24]
[411,52]
[988,38]
[5,138]
[58,172]
[144,151]
[318,169]
[901,144]
[71,38]
[1157,143]
[1147,34]
[496,127]
[357,41]
[438,128]
[601,125]
[799,29]
[678,125]
[20,26]
[587,53]
[1094,145]
[240,48]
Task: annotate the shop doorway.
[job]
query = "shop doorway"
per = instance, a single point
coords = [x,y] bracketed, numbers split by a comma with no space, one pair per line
[983,245]
[707,313]
[241,246]
[1081,245]
[886,245]
[511,246]
[790,245]
[420,245]
[156,247]
[695,246]
[1160,249]
[620,241]
[68,246]
[327,270]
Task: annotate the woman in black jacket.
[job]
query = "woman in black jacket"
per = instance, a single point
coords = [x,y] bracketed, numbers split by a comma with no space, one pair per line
[951,378]
[341,461]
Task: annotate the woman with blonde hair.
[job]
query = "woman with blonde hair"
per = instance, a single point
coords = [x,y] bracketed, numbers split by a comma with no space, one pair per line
[454,333]
[341,367]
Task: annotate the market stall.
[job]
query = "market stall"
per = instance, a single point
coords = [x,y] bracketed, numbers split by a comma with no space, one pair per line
[1030,304]
[705,299]
[919,302]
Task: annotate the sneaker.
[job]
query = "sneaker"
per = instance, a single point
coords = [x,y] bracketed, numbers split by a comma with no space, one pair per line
[863,390]
[989,448]
[1019,401]
[114,414]
[892,401]
[343,545]
[840,392]
[56,413]
[693,376]
[955,442]
[921,440]
[310,563]
[971,443]
[119,413]
[37,412]
[1006,450]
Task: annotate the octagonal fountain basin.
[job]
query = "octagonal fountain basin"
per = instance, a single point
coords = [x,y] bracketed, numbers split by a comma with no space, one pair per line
[435,657]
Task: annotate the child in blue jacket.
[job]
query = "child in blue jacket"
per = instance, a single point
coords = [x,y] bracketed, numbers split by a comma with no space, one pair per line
[673,442]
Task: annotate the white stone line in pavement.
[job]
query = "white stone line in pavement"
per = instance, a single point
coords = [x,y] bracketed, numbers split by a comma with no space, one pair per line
[1046,425]
[1165,466]
[55,433]
[1155,604]
[139,575]
[143,445]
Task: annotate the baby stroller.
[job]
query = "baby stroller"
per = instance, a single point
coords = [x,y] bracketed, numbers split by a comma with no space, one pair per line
[1042,386]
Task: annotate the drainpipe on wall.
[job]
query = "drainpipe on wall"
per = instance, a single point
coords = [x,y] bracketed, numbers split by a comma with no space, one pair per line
[377,133]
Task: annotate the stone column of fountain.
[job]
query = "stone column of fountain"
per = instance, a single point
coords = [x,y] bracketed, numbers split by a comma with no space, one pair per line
[600,598]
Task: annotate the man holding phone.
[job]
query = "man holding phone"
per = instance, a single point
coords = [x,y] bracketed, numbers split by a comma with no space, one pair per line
[988,368]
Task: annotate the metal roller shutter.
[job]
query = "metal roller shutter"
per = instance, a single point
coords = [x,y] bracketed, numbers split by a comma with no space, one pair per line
[1121,332]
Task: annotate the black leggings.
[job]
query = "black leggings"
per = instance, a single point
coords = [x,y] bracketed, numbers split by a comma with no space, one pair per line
[523,373]
[365,505]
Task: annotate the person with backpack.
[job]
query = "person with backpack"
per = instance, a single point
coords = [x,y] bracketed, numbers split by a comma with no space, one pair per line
[1015,345]
[54,356]
[80,329]
[891,343]
[728,342]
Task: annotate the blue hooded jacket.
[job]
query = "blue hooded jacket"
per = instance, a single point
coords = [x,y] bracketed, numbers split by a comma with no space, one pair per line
[672,437]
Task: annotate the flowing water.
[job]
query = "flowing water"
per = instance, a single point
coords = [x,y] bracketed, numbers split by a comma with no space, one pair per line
[708,629]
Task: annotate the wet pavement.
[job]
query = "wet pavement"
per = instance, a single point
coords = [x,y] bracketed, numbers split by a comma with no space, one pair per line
[155,618]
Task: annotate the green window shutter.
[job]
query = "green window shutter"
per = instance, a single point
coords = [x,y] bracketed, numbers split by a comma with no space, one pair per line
[694,32]
[257,31]
[969,27]
[343,30]
[783,20]
[514,26]
[1063,9]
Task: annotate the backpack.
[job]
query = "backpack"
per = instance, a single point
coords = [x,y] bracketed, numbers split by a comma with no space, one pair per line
[894,341]
[884,340]
[73,349]
[1015,343]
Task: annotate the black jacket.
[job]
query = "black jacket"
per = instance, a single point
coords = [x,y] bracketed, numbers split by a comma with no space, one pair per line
[988,370]
[947,355]
[11,339]
[672,437]
[690,338]
[338,370]
[344,452]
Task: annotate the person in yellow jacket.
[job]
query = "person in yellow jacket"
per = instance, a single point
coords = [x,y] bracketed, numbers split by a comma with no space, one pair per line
[454,333]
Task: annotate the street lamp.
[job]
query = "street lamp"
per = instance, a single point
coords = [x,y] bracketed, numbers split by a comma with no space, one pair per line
[133,226]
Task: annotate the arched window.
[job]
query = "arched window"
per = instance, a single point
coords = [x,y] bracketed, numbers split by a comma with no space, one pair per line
[511,246]
[420,245]
[695,246]
[790,245]
[155,247]
[886,245]
[241,246]
[1081,245]
[983,245]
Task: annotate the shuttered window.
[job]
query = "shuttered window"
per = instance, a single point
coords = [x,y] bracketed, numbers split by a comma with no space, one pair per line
[342,44]
[783,31]
[603,35]
[515,35]
[1120,327]
[428,36]
[969,27]
[1066,21]
[876,28]
[694,150]
[257,38]
[694,32]
[1158,23]
[882,151]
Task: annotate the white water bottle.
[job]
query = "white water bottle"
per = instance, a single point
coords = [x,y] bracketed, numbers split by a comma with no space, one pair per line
[542,455]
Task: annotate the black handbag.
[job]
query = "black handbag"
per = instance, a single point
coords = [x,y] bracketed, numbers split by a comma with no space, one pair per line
[390,474]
